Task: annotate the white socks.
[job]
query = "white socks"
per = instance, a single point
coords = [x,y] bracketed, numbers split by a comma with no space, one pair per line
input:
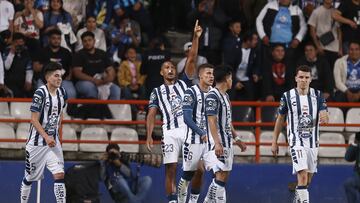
[25,191]
[216,192]
[60,191]
[302,194]
[182,190]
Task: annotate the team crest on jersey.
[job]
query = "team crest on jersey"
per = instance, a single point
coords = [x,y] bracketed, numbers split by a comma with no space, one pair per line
[37,101]
[50,127]
[176,107]
[211,104]
[305,126]
[188,100]
[152,97]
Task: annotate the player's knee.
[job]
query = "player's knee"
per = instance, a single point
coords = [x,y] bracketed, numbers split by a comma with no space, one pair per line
[27,182]
[170,169]
[187,175]
[59,176]
[302,179]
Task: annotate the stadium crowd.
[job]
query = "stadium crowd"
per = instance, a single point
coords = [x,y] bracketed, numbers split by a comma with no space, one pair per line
[113,49]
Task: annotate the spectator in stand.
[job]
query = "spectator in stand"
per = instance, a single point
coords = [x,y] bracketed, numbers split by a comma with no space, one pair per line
[348,14]
[100,41]
[321,22]
[212,19]
[347,75]
[18,70]
[29,22]
[6,16]
[55,53]
[127,34]
[135,9]
[278,74]
[252,9]
[151,64]
[307,6]
[18,5]
[129,77]
[321,73]
[232,45]
[57,17]
[103,10]
[352,184]
[2,74]
[77,10]
[42,5]
[199,61]
[281,22]
[93,72]
[246,72]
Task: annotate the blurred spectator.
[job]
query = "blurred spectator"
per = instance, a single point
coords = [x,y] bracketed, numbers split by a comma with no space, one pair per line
[307,6]
[77,10]
[6,16]
[100,41]
[212,19]
[42,5]
[352,185]
[57,17]
[232,45]
[103,10]
[55,53]
[278,74]
[199,61]
[18,5]
[129,77]
[128,33]
[29,22]
[321,23]
[2,74]
[348,14]
[246,71]
[152,60]
[5,39]
[93,71]
[347,75]
[135,9]
[18,70]
[281,22]
[252,9]
[321,73]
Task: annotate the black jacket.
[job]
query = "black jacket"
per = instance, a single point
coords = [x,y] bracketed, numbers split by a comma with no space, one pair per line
[353,154]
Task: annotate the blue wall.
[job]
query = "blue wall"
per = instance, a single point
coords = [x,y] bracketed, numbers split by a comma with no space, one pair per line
[248,183]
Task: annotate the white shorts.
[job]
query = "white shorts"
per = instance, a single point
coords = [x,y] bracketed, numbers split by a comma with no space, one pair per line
[171,144]
[37,157]
[192,154]
[223,163]
[304,158]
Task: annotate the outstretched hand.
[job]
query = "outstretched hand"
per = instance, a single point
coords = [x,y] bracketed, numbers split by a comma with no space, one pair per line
[197,29]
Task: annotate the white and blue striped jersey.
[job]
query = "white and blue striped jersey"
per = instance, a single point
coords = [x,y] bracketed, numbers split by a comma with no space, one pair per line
[168,99]
[302,116]
[217,104]
[50,108]
[194,100]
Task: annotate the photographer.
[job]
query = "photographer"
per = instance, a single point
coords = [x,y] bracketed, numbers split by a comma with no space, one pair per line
[122,184]
[352,185]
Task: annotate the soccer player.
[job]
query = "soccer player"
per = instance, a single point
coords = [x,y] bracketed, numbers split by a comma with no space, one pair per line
[168,99]
[304,108]
[221,134]
[194,146]
[43,147]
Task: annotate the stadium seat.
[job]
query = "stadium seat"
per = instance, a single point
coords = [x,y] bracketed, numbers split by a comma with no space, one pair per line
[68,133]
[246,136]
[121,112]
[352,117]
[22,132]
[335,116]
[126,134]
[93,133]
[267,136]
[4,108]
[331,138]
[351,138]
[7,132]
[20,110]
[243,114]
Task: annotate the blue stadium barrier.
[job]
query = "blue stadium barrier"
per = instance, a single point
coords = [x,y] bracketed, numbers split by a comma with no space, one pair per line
[248,183]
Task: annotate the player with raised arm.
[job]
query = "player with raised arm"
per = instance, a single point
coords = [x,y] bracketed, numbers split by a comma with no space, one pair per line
[43,147]
[168,99]
[221,134]
[195,145]
[304,108]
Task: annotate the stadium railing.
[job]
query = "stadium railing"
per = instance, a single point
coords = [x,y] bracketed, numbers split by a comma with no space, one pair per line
[258,105]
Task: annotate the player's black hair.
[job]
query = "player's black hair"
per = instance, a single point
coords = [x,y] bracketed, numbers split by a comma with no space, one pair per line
[51,67]
[303,68]
[221,72]
[112,146]
[87,34]
[54,31]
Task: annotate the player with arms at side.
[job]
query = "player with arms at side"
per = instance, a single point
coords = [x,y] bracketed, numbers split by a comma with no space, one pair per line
[168,99]
[195,145]
[221,135]
[304,108]
[43,147]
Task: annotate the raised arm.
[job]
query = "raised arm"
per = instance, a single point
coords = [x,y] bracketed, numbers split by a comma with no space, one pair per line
[190,65]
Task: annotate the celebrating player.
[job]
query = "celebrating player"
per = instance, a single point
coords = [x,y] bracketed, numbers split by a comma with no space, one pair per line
[43,147]
[304,108]
[220,134]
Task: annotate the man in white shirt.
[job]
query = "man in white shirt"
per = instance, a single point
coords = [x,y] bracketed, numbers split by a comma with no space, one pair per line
[6,16]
